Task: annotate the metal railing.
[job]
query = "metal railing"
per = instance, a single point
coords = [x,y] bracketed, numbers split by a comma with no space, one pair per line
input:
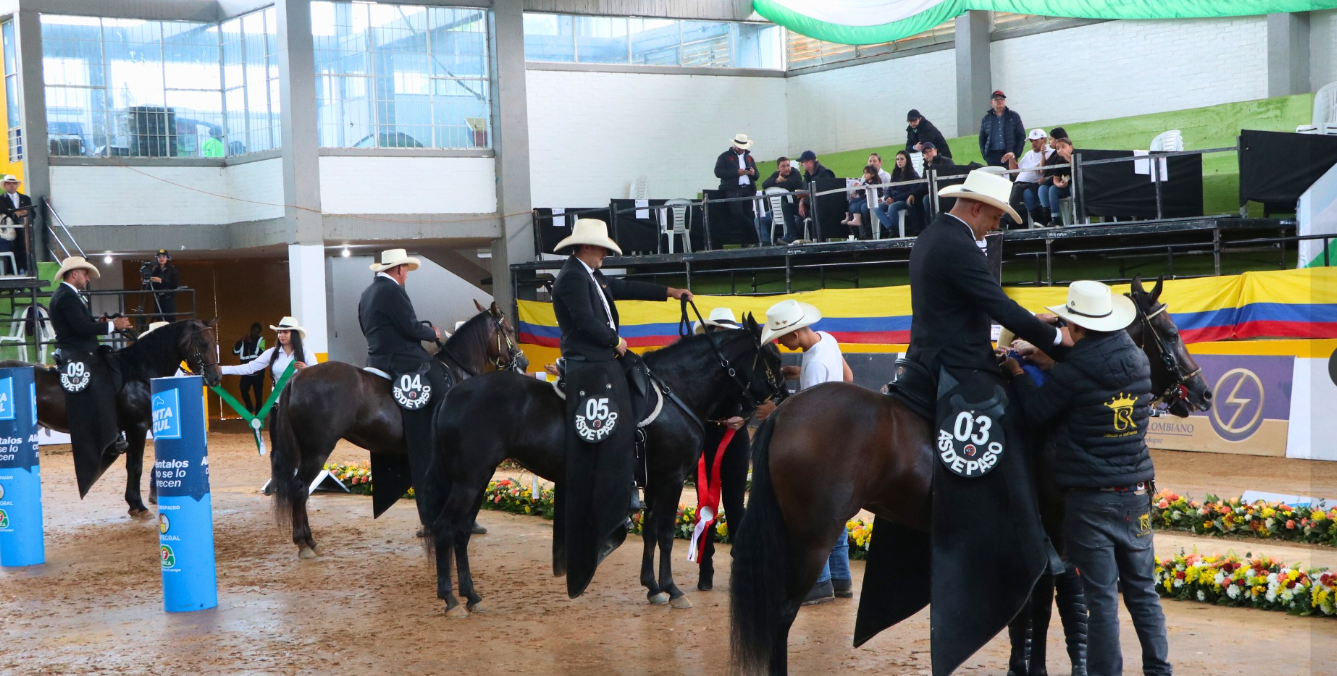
[140,315]
[55,236]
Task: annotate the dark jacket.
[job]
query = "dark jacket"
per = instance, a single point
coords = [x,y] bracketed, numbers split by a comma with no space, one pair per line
[580,314]
[818,171]
[170,276]
[726,169]
[1056,158]
[899,193]
[7,207]
[944,166]
[953,296]
[1014,132]
[73,321]
[1094,409]
[394,334]
[925,132]
[792,183]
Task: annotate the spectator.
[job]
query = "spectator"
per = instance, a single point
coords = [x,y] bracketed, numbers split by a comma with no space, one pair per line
[1059,183]
[737,172]
[857,215]
[785,176]
[247,349]
[900,198]
[164,279]
[812,170]
[937,166]
[18,207]
[920,131]
[1055,134]
[876,160]
[1026,188]
[1001,132]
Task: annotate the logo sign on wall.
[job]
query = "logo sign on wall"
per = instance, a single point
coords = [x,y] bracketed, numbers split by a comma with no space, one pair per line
[1251,404]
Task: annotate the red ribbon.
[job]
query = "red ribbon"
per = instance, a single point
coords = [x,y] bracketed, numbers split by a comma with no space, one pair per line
[708,490]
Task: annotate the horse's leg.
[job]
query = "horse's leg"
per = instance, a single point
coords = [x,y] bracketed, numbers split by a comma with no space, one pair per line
[664,495]
[444,538]
[308,467]
[1019,634]
[134,470]
[649,535]
[463,532]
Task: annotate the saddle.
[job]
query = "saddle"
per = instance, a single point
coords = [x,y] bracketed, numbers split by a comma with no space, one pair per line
[915,387]
[646,397]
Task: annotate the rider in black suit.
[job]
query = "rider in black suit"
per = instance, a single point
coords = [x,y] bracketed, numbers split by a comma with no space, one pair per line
[394,345]
[591,514]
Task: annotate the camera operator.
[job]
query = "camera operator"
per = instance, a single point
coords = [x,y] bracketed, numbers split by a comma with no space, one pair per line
[164,277]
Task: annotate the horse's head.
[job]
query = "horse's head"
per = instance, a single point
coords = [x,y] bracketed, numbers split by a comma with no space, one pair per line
[197,344]
[1176,379]
[762,371]
[503,350]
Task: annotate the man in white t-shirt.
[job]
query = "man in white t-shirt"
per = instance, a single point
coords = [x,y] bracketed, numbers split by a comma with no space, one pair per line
[1026,186]
[787,323]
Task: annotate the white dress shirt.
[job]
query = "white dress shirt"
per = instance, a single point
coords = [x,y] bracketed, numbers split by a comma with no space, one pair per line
[111,326]
[275,358]
[742,164]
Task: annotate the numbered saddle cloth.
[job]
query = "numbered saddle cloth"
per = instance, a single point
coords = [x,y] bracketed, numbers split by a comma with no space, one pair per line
[90,387]
[418,391]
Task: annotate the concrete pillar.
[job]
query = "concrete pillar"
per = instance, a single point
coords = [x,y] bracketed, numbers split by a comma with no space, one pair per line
[1287,54]
[36,165]
[301,140]
[510,142]
[973,76]
[307,293]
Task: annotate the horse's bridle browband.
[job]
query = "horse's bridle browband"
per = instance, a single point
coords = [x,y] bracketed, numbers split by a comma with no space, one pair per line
[1178,390]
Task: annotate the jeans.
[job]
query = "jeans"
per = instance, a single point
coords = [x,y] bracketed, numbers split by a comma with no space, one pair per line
[1050,196]
[838,563]
[1110,540]
[890,216]
[788,233]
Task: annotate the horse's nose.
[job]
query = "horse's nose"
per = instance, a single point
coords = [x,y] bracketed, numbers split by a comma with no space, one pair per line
[1207,395]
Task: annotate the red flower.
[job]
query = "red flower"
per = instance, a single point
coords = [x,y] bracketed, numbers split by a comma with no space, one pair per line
[1290,523]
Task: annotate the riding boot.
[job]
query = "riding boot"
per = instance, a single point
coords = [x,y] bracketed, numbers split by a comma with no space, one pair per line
[1019,631]
[1072,612]
[121,444]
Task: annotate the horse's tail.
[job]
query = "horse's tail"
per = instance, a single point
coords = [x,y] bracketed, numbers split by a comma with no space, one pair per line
[284,459]
[760,576]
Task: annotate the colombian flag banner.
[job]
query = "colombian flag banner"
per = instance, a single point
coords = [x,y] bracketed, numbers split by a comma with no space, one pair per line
[1295,304]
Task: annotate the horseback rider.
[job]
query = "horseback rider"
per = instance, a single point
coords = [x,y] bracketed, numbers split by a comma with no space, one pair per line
[591,511]
[394,346]
[983,495]
[90,393]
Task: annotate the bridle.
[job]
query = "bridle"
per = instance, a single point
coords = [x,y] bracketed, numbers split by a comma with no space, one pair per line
[1178,389]
[505,346]
[197,351]
[776,383]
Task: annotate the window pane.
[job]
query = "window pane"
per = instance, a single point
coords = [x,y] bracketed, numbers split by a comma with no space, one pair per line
[705,44]
[654,42]
[7,35]
[757,45]
[549,37]
[601,39]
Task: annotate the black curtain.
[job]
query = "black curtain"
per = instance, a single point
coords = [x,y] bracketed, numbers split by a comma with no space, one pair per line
[1276,167]
[548,231]
[1113,190]
[642,235]
[724,228]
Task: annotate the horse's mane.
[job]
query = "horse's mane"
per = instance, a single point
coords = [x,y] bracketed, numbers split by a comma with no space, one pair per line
[154,353]
[690,351]
[470,341]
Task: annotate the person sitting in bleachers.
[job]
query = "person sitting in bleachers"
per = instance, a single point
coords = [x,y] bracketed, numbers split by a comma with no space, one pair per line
[1026,185]
[1059,184]
[900,198]
[858,215]
[812,171]
[784,176]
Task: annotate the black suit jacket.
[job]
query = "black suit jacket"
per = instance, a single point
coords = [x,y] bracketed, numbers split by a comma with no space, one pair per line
[75,327]
[926,132]
[394,335]
[7,205]
[953,295]
[586,335]
[726,169]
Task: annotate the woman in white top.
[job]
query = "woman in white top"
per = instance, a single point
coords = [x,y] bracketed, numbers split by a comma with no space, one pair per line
[276,358]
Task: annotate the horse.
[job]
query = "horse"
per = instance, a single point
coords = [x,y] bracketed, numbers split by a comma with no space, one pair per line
[802,494]
[334,400]
[487,420]
[155,355]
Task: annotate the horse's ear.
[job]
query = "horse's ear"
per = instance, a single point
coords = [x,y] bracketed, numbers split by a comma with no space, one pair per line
[1156,290]
[1136,286]
[213,323]
[496,311]
[480,305]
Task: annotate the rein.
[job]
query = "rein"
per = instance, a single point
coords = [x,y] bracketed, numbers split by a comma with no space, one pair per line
[505,346]
[777,388]
[1178,390]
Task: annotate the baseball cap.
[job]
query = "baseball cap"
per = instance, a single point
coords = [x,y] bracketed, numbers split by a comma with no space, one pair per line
[927,146]
[998,94]
[912,115]
[1036,134]
[807,156]
[163,252]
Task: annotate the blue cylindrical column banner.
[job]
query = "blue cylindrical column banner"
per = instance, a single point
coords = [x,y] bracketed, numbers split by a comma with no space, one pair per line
[185,512]
[20,471]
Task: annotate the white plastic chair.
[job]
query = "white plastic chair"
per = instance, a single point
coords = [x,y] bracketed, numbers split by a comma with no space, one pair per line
[639,188]
[1168,142]
[1325,109]
[775,204]
[677,222]
[45,332]
[1306,129]
[17,334]
[917,161]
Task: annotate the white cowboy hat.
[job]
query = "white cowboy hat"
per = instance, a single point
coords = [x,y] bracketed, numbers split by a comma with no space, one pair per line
[1094,306]
[984,186]
[742,141]
[76,263]
[589,231]
[393,258]
[720,317]
[154,326]
[10,178]
[788,316]
[289,324]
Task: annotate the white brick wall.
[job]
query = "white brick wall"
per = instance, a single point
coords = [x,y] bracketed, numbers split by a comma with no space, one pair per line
[865,106]
[259,182]
[1322,48]
[408,185]
[111,195]
[1122,68]
[592,133]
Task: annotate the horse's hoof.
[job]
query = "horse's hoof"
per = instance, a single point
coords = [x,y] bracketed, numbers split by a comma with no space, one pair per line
[153,499]
[306,553]
[457,613]
[659,599]
[477,607]
[681,603]
[141,514]
[478,529]
[703,585]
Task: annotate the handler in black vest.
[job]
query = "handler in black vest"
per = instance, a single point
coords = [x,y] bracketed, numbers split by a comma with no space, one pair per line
[987,547]
[419,382]
[90,393]
[591,515]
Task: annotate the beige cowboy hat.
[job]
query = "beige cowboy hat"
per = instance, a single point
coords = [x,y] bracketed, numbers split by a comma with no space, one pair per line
[983,185]
[742,141]
[77,263]
[1092,305]
[589,231]
[10,178]
[721,317]
[393,258]
[788,316]
[289,324]
[153,326]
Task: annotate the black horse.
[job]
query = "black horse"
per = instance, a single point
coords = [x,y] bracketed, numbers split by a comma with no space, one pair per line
[487,420]
[155,355]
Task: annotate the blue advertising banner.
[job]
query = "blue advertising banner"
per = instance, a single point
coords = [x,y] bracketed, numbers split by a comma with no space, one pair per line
[185,511]
[21,542]
[1251,408]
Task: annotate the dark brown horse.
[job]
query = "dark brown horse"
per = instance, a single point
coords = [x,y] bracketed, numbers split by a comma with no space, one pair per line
[328,402]
[487,420]
[802,493]
[156,355]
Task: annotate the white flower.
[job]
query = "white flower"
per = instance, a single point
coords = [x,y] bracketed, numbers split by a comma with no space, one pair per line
[1233,591]
[1179,583]
[1201,595]
[1219,578]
